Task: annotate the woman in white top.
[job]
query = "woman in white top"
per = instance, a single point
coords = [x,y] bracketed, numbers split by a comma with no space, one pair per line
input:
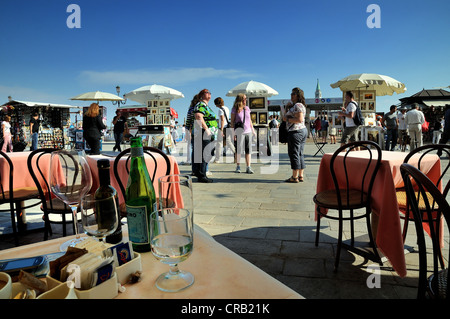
[297,133]
[6,129]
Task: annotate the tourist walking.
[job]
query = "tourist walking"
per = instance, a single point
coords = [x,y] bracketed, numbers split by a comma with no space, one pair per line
[415,119]
[120,125]
[34,130]
[205,127]
[224,134]
[294,116]
[189,129]
[390,121]
[6,129]
[438,129]
[351,129]
[446,135]
[92,128]
[332,132]
[242,125]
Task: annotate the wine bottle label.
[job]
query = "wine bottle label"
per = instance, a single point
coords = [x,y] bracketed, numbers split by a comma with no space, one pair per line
[138,224]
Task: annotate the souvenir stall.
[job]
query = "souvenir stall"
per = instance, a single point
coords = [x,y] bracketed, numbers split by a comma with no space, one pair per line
[366,87]
[157,114]
[152,123]
[257,94]
[53,127]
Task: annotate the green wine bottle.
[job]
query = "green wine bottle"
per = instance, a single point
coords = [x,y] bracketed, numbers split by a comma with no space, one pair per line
[140,198]
[105,190]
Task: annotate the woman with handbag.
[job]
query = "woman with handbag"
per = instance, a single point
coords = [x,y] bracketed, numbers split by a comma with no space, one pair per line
[297,133]
[243,131]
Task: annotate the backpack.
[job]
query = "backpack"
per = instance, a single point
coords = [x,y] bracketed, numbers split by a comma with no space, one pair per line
[358,118]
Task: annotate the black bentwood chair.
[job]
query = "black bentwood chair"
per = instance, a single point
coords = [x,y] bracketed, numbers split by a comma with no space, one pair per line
[443,152]
[50,204]
[342,197]
[147,150]
[421,191]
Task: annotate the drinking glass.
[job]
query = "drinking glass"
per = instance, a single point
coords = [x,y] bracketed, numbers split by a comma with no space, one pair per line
[171,239]
[99,216]
[70,180]
[176,191]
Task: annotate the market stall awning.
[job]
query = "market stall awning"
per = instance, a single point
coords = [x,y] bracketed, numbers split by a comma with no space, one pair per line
[133,108]
[37,104]
[436,102]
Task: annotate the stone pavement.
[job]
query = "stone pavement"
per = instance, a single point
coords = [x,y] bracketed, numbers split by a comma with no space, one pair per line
[271,224]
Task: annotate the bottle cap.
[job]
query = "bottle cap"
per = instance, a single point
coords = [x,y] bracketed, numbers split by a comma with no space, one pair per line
[103,163]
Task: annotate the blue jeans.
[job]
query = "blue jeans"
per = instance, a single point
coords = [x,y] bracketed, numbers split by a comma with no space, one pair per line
[391,137]
[34,141]
[118,139]
[296,145]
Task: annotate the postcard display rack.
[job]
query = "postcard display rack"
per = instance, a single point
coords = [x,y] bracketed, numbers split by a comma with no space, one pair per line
[156,133]
[368,104]
[259,116]
[53,128]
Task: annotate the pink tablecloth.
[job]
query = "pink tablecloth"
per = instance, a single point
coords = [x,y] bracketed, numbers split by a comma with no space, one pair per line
[92,160]
[384,200]
[21,177]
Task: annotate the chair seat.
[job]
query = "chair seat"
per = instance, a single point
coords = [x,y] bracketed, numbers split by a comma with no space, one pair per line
[441,284]
[401,200]
[21,194]
[58,207]
[329,199]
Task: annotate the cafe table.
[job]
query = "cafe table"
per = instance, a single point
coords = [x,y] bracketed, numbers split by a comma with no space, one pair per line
[219,273]
[385,218]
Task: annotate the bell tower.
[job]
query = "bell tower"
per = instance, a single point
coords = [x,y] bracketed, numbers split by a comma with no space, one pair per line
[318,92]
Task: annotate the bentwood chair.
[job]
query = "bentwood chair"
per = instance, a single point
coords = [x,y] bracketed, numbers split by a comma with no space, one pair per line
[147,150]
[345,198]
[420,190]
[50,205]
[441,150]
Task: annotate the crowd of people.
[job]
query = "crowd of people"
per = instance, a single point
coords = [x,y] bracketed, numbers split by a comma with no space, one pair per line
[403,129]
[233,130]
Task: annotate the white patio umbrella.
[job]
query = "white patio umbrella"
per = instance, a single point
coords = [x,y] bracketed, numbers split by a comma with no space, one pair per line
[153,92]
[382,84]
[97,96]
[252,88]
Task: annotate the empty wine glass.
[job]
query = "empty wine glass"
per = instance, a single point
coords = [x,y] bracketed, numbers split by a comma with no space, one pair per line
[70,180]
[172,238]
[99,215]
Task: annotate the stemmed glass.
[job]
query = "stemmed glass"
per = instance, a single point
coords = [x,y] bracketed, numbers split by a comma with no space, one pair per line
[70,180]
[99,216]
[172,238]
[176,191]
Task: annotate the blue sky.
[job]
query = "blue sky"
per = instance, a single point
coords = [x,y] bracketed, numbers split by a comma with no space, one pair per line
[194,44]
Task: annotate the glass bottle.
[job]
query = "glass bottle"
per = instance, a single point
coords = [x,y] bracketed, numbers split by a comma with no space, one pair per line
[105,190]
[140,198]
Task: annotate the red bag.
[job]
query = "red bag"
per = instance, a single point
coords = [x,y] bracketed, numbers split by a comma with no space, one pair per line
[425,126]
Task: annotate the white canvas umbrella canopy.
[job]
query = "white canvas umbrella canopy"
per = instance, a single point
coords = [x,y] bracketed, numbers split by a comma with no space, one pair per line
[382,84]
[252,88]
[153,92]
[97,96]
